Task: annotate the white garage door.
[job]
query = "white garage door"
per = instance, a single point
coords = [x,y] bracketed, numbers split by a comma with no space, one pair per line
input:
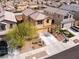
[68,25]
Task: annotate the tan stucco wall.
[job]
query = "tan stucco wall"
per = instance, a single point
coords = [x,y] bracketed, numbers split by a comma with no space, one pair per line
[77,22]
[42,27]
[38,25]
[19,18]
[47,24]
[25,17]
[8,26]
[42,30]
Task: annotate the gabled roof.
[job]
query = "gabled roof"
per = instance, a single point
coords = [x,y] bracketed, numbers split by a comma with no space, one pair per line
[28,12]
[38,16]
[67,20]
[56,10]
[9,16]
[71,7]
[6,15]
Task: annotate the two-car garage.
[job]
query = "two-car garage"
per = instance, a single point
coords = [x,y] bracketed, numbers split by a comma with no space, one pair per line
[67,23]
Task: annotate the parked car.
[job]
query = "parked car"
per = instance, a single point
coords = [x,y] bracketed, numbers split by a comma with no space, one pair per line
[75,28]
[3,48]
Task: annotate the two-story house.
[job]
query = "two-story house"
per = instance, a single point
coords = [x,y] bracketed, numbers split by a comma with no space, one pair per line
[74,10]
[7,21]
[41,21]
[27,13]
[60,17]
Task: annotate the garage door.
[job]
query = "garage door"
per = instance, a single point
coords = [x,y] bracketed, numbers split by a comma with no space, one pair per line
[68,25]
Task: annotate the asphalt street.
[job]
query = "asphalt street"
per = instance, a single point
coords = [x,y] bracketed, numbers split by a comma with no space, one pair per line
[72,53]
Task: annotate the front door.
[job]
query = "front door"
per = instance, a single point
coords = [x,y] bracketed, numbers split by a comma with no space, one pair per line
[48,30]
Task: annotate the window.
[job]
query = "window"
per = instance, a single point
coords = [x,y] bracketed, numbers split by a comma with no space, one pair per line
[62,25]
[47,21]
[52,21]
[2,27]
[65,17]
[70,16]
[39,22]
[11,25]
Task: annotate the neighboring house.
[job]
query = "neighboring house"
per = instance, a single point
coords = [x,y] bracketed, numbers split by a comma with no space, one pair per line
[67,23]
[27,13]
[60,16]
[41,21]
[19,17]
[53,4]
[34,2]
[9,6]
[7,21]
[69,1]
[21,6]
[74,10]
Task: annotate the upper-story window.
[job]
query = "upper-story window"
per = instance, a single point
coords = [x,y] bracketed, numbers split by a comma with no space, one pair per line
[11,25]
[47,21]
[70,16]
[39,22]
[2,27]
[65,17]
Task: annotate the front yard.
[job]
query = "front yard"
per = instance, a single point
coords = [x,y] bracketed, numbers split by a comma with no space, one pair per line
[24,37]
[61,34]
[32,45]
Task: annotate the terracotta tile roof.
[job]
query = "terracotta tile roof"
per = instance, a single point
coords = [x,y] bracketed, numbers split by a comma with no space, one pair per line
[9,16]
[28,12]
[38,16]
